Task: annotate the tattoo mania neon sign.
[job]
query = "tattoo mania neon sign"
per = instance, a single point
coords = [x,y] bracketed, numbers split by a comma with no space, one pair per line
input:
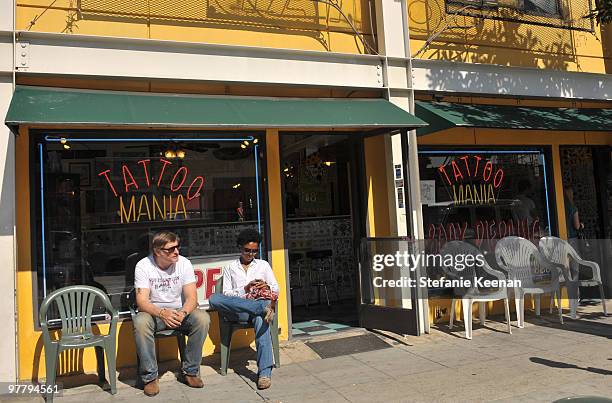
[150,206]
[475,181]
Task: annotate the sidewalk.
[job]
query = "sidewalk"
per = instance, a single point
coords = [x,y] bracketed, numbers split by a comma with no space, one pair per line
[542,362]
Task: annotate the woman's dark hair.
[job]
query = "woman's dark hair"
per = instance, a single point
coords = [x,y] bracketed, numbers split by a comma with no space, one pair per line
[247,236]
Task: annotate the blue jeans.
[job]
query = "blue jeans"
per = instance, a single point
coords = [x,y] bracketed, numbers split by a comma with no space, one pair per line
[194,326]
[248,310]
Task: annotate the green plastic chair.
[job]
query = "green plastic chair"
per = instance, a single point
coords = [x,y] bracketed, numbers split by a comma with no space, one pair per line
[75,305]
[227,329]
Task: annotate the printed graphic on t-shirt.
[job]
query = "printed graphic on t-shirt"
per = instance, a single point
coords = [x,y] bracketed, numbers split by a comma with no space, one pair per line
[164,285]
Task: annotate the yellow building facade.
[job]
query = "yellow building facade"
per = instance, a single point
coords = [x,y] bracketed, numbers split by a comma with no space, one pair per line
[294,49]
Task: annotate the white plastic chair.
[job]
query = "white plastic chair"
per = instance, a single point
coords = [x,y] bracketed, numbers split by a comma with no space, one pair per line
[560,252]
[472,294]
[523,262]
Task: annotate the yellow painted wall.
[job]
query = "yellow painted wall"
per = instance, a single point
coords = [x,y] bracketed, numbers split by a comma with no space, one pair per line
[506,43]
[379,224]
[30,344]
[302,24]
[277,231]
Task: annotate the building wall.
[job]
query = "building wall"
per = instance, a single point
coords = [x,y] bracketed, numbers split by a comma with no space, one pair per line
[303,24]
[505,43]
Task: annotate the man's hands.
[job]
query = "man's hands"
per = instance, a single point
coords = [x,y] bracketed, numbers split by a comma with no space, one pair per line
[172,318]
[257,283]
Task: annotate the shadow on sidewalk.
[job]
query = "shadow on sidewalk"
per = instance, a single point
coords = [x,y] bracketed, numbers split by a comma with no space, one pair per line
[558,364]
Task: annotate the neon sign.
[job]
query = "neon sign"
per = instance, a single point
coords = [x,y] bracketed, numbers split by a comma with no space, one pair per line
[150,206]
[475,181]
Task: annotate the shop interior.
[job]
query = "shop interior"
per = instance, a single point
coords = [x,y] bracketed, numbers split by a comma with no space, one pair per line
[319,232]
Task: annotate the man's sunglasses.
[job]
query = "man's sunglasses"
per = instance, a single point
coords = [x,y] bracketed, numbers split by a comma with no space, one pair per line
[172,249]
[250,251]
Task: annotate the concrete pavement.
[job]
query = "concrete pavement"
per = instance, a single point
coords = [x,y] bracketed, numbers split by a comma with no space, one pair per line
[542,362]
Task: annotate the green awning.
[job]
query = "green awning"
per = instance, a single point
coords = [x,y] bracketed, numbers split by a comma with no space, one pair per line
[65,107]
[444,115]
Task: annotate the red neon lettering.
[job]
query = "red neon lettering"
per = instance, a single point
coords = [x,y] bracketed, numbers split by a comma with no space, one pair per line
[431,231]
[456,171]
[488,168]
[181,169]
[480,229]
[146,170]
[502,234]
[125,170]
[442,169]
[212,275]
[451,231]
[463,230]
[491,230]
[497,183]
[161,174]
[467,166]
[105,174]
[477,158]
[197,193]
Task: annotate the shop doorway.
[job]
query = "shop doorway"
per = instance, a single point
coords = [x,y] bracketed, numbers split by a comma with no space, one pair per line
[587,170]
[319,181]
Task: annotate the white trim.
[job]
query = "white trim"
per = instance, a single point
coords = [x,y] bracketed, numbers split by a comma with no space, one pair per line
[113,57]
[88,56]
[489,79]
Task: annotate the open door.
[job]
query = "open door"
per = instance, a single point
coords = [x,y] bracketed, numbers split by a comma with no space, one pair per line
[387,286]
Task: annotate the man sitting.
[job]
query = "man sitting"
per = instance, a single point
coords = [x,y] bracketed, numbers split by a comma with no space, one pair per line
[166,297]
[241,279]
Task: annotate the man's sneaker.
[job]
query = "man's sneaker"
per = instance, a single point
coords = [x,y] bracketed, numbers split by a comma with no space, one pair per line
[194,381]
[264,382]
[152,388]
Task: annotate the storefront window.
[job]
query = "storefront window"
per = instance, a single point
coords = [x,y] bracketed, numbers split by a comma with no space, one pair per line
[102,198]
[483,196]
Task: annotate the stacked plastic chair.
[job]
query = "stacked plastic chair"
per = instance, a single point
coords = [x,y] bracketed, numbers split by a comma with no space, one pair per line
[524,263]
[560,253]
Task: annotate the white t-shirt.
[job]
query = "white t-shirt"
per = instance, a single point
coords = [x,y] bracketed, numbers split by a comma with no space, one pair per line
[166,285]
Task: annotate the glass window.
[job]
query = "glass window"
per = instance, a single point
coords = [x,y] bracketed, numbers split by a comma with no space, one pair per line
[535,7]
[101,200]
[483,196]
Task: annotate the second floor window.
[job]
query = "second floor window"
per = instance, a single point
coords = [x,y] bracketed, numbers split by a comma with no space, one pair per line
[548,8]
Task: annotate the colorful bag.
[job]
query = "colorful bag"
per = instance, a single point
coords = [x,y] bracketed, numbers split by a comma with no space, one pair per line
[262,293]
